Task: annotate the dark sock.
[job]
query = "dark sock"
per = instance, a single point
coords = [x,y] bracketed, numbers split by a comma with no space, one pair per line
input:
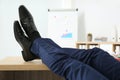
[35,35]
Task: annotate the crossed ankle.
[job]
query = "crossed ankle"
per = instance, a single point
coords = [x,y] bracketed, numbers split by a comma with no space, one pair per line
[34,35]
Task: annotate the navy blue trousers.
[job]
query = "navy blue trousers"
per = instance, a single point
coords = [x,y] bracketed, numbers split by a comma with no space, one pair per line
[77,64]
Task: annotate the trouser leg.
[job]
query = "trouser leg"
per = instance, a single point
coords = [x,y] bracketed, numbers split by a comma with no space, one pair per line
[96,58]
[62,64]
[99,59]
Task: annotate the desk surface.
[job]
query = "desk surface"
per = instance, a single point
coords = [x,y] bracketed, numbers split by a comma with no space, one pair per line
[18,64]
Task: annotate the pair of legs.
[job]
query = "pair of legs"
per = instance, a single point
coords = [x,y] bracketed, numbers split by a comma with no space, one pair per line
[73,64]
[77,64]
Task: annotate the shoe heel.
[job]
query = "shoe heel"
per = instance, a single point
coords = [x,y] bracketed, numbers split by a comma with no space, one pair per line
[24,56]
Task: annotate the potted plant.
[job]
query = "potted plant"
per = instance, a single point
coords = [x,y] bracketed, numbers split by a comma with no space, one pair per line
[89,37]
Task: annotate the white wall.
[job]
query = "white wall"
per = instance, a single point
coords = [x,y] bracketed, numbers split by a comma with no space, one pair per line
[96,16]
[99,17]
[9,13]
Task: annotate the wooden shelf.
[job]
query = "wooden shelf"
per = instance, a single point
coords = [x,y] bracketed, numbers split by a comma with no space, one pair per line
[88,44]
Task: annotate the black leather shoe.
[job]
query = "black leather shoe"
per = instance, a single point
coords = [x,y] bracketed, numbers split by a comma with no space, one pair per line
[24,42]
[27,21]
